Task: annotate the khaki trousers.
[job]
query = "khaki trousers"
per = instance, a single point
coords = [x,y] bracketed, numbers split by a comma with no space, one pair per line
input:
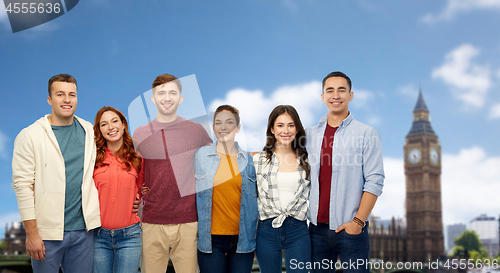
[177,241]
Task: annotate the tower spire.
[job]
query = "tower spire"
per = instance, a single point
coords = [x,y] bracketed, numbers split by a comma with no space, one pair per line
[420,106]
[421,119]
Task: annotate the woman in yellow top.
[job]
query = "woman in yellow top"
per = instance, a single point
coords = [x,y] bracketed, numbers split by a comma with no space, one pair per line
[226,199]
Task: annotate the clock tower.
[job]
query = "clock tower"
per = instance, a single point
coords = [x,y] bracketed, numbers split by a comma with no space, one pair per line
[423,188]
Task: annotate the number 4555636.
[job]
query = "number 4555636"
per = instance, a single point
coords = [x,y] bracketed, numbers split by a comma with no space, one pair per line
[471,264]
[33,8]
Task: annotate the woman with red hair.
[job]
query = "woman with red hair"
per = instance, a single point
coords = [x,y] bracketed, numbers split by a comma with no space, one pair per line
[118,178]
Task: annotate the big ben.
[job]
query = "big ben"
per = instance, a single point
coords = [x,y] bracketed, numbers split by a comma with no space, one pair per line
[423,188]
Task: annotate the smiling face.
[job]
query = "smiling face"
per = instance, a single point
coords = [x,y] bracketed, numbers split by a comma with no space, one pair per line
[337,95]
[225,126]
[167,98]
[284,129]
[111,127]
[63,100]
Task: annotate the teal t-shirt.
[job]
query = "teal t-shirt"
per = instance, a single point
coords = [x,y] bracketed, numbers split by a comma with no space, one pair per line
[71,140]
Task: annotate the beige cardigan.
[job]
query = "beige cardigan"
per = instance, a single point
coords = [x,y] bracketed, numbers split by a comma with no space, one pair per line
[38,173]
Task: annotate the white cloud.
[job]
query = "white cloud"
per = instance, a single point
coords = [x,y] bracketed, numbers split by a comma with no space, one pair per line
[361,98]
[3,146]
[409,90]
[454,7]
[469,81]
[495,111]
[255,107]
[391,202]
[470,183]
[374,121]
[8,219]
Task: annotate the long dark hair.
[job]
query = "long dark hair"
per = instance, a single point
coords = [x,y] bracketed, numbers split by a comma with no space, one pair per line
[126,152]
[298,144]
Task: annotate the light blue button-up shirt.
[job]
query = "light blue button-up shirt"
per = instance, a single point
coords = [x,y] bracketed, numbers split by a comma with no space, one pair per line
[357,167]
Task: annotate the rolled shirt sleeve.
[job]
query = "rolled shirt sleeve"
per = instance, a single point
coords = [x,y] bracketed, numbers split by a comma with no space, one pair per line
[373,166]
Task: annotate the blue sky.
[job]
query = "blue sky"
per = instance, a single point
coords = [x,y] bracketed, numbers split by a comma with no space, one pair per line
[257,54]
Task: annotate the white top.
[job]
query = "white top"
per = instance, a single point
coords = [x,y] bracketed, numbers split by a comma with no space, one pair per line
[287,183]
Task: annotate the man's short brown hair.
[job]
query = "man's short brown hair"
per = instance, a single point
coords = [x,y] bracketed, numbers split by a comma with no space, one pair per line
[61,78]
[164,78]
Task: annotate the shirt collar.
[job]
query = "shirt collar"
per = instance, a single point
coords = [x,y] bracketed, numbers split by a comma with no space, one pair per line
[213,149]
[344,123]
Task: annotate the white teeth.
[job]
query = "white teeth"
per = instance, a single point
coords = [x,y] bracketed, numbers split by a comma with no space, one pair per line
[66,107]
[113,133]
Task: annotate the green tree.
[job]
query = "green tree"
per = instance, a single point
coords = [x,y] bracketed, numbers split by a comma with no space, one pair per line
[469,239]
[457,250]
[474,255]
[484,253]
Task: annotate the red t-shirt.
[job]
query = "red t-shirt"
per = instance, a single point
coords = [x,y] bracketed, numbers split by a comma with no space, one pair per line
[325,174]
[168,151]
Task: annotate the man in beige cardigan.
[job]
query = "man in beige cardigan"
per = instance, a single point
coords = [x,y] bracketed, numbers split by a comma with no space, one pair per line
[52,168]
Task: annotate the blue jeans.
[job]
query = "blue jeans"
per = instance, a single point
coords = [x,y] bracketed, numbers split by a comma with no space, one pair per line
[327,246]
[74,253]
[118,249]
[292,236]
[224,257]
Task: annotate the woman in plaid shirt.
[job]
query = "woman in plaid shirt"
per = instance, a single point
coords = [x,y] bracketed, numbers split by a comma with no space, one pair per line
[283,190]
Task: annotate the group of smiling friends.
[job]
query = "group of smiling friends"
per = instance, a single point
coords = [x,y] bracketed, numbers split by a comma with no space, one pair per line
[206,205]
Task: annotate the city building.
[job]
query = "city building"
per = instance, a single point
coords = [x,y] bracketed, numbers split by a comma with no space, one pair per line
[420,237]
[486,229]
[453,231]
[422,165]
[484,226]
[15,239]
[388,239]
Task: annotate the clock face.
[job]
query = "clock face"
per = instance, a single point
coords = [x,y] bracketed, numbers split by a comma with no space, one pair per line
[434,156]
[414,156]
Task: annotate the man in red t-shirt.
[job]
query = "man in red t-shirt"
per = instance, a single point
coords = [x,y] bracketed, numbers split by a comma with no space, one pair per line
[347,176]
[169,218]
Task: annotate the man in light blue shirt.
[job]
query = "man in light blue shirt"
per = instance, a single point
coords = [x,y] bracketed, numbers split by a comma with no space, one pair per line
[347,176]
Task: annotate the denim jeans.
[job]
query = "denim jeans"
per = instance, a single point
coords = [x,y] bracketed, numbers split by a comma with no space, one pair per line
[224,257]
[118,249]
[327,246]
[292,236]
[74,253]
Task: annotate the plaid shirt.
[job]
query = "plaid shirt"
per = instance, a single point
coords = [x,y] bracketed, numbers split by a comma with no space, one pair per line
[268,197]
